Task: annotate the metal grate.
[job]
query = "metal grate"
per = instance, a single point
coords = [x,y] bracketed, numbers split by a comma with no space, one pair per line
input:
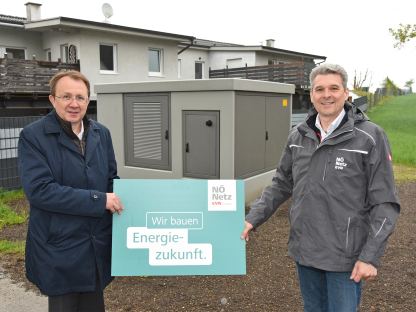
[10,128]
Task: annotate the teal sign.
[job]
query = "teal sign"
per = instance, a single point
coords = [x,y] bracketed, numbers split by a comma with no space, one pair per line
[179,227]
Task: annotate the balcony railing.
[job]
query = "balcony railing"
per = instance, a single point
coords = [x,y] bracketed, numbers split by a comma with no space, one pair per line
[29,76]
[296,73]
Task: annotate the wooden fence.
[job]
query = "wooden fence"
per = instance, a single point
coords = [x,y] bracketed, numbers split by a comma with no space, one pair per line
[29,76]
[296,73]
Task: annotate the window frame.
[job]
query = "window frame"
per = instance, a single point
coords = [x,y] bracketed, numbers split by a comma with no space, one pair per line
[3,51]
[48,55]
[202,69]
[115,65]
[160,60]
[64,52]
[179,68]
[229,62]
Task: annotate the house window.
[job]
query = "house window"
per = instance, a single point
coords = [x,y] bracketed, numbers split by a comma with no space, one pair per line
[234,63]
[146,122]
[15,53]
[64,53]
[179,68]
[48,55]
[108,58]
[199,70]
[155,61]
[72,59]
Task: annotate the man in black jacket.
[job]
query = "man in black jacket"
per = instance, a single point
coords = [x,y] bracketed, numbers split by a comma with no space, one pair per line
[67,167]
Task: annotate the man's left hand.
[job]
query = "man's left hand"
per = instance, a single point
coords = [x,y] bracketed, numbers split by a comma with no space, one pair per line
[362,270]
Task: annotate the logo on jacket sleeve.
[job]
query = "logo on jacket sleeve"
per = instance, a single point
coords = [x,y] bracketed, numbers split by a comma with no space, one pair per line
[340,163]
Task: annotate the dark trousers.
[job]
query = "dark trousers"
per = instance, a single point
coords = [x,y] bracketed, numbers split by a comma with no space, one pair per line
[77,302]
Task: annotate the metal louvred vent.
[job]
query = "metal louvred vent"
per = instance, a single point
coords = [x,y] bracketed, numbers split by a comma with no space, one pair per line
[147,130]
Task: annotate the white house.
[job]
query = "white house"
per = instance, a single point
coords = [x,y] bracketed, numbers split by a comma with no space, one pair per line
[106,52]
[114,53]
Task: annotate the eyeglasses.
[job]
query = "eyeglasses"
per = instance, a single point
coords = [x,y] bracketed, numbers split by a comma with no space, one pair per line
[68,98]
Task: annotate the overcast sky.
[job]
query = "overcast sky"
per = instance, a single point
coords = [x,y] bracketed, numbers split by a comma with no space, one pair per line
[353,33]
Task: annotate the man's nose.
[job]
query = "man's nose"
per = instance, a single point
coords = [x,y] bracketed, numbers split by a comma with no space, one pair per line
[73,101]
[327,93]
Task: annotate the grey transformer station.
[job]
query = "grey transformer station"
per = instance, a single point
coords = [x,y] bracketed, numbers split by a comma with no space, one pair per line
[209,129]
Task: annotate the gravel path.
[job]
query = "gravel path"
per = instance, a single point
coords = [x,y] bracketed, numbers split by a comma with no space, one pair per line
[14,297]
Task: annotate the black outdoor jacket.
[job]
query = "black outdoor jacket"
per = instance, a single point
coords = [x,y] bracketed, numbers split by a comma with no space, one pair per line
[344,201]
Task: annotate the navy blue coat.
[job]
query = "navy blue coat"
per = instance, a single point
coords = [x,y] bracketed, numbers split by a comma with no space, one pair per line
[69,234]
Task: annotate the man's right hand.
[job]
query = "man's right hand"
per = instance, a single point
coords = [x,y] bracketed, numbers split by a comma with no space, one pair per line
[113,203]
[247,228]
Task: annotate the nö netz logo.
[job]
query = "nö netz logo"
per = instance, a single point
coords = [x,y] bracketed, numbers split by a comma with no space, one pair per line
[340,163]
[222,195]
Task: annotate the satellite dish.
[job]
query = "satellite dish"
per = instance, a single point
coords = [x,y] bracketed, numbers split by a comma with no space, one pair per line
[107,11]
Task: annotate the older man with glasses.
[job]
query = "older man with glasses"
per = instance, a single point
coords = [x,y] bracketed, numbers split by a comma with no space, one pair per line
[67,167]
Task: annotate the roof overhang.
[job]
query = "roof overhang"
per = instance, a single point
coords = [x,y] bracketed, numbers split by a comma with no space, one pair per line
[9,25]
[267,50]
[71,24]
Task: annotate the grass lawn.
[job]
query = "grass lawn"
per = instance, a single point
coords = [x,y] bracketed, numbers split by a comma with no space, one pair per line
[7,215]
[397,116]
[15,247]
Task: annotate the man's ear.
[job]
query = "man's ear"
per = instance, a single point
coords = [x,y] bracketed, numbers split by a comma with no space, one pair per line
[52,100]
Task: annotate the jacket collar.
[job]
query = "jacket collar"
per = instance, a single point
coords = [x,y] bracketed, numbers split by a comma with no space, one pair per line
[52,126]
[353,114]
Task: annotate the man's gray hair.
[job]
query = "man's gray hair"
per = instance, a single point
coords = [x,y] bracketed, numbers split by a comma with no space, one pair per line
[325,69]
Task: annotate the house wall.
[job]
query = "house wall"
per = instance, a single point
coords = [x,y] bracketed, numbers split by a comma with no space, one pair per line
[188,59]
[218,59]
[53,41]
[19,38]
[132,58]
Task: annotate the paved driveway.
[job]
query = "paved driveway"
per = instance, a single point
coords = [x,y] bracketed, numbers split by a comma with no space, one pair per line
[14,298]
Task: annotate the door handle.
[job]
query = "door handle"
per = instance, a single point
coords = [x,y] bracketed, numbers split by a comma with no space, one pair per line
[187,147]
[208,123]
[267,135]
[167,135]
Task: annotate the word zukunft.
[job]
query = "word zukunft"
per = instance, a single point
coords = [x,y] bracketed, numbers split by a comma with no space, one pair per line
[186,254]
[196,254]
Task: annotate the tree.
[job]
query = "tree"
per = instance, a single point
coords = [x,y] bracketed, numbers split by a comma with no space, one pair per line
[359,79]
[390,87]
[403,34]
[408,84]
